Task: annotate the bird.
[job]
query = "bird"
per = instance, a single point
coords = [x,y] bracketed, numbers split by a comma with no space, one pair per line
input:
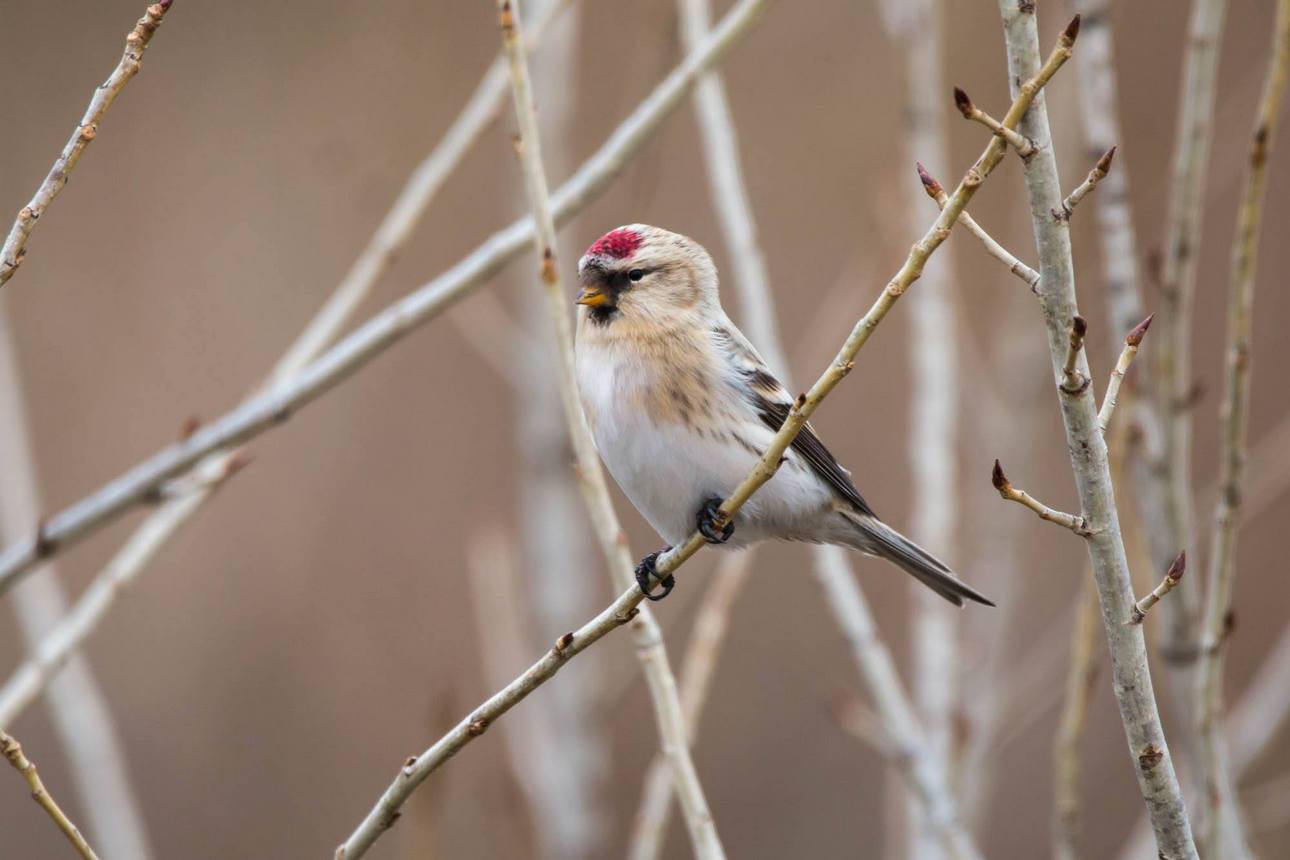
[681,407]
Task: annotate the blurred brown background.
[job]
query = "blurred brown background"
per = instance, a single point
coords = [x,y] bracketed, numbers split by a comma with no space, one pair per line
[313,626]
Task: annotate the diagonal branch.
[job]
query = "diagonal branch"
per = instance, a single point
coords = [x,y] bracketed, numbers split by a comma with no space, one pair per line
[623,609]
[12,750]
[274,405]
[1077,524]
[136,42]
[992,247]
[1096,175]
[650,650]
[1172,577]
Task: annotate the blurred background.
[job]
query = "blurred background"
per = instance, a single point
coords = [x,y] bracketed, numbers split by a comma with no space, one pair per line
[320,619]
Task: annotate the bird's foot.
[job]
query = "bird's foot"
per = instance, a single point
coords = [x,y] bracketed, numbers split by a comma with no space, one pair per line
[646,572]
[708,519]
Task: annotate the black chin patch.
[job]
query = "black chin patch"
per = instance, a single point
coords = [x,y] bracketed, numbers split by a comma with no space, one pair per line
[603,314]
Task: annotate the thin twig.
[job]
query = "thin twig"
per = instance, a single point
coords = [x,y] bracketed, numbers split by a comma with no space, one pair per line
[136,42]
[1132,341]
[992,247]
[1096,175]
[1130,673]
[1172,577]
[1025,148]
[623,609]
[12,750]
[1173,365]
[650,650]
[1233,444]
[1077,524]
[274,405]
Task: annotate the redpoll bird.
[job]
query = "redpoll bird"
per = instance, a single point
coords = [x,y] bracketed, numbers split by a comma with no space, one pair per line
[681,407]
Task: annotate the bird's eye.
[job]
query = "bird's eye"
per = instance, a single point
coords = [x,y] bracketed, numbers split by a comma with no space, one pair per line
[636,274]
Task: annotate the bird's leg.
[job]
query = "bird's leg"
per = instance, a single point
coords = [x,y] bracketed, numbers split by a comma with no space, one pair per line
[709,516]
[645,572]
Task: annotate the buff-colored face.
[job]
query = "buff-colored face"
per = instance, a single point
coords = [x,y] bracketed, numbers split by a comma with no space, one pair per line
[643,273]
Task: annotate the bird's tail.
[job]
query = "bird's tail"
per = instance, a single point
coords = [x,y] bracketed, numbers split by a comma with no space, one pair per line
[875,537]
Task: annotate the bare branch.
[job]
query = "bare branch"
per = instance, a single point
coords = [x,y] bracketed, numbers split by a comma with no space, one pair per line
[623,609]
[1221,828]
[1172,577]
[1096,175]
[673,735]
[1131,343]
[1087,449]
[1001,483]
[12,750]
[993,248]
[274,405]
[1172,353]
[136,42]
[1025,148]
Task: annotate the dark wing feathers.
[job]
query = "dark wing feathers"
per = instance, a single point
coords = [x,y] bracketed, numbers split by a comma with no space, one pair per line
[772,402]
[812,450]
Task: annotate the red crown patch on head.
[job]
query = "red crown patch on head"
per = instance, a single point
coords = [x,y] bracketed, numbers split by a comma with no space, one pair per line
[619,244]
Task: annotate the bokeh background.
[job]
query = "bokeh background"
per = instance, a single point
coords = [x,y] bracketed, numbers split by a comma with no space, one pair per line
[315,624]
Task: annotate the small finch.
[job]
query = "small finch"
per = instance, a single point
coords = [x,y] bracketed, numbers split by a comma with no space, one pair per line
[681,407]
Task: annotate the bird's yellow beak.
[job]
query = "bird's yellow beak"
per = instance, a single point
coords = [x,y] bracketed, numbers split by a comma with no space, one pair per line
[591,297]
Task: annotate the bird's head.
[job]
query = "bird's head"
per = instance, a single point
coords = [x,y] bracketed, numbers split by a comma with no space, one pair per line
[646,274]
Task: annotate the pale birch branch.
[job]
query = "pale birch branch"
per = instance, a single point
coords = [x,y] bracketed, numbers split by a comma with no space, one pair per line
[1233,444]
[274,405]
[80,714]
[12,750]
[1172,577]
[649,639]
[1181,247]
[697,668]
[992,247]
[136,42]
[1130,673]
[1132,341]
[932,349]
[623,609]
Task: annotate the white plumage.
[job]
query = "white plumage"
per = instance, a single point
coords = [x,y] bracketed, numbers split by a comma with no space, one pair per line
[681,407]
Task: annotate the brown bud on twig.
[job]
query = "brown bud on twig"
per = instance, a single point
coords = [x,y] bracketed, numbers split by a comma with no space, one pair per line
[963,103]
[1071,33]
[1079,328]
[999,479]
[1104,163]
[930,185]
[1178,568]
[1134,337]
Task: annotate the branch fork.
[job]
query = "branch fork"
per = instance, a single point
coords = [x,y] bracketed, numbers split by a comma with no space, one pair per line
[1024,146]
[1077,524]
